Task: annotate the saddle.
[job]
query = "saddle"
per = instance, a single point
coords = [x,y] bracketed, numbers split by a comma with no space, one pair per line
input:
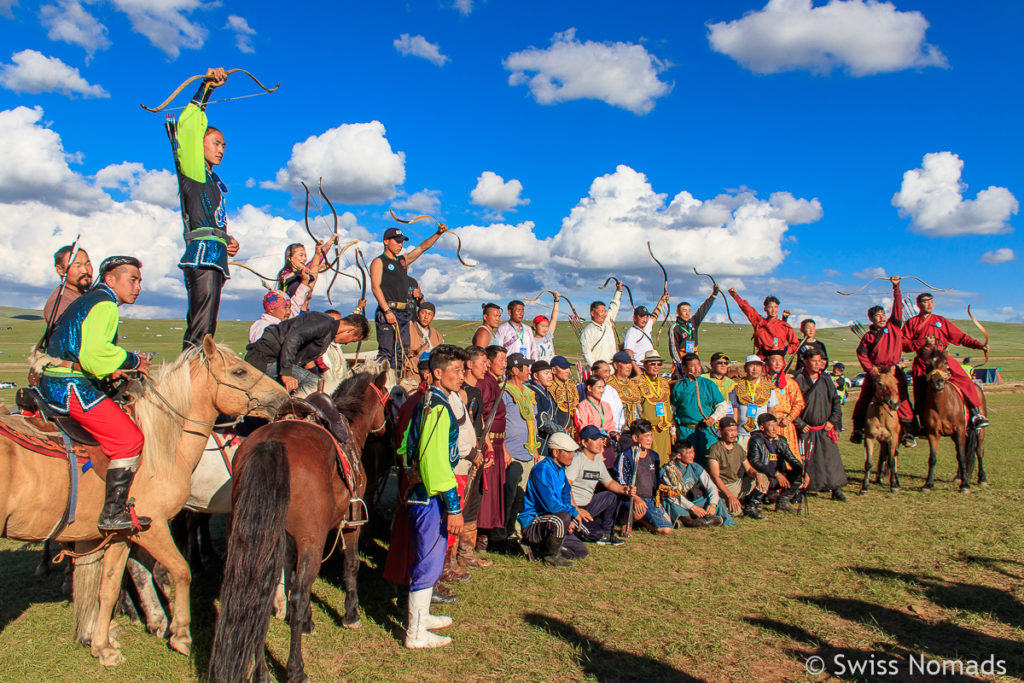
[319,409]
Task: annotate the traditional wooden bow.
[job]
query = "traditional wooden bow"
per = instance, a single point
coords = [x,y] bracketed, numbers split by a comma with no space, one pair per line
[458,251]
[269,283]
[360,263]
[668,307]
[624,286]
[334,265]
[903,277]
[980,327]
[198,77]
[719,289]
[574,319]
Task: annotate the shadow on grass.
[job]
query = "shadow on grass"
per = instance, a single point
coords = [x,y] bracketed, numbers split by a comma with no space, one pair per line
[22,588]
[992,564]
[605,664]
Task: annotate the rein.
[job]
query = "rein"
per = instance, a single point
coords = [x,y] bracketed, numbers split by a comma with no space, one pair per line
[383,398]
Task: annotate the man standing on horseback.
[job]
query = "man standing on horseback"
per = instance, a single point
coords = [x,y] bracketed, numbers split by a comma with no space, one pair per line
[83,345]
[880,348]
[927,330]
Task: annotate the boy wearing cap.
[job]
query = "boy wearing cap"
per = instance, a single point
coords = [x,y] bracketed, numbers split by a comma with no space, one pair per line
[389,282]
[549,517]
[584,474]
[753,396]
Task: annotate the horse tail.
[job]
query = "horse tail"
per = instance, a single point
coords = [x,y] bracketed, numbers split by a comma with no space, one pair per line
[256,552]
[85,592]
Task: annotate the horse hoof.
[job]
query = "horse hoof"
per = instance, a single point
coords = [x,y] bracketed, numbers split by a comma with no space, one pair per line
[982,483]
[108,656]
[863,492]
[358,623]
[965,489]
[181,644]
[894,489]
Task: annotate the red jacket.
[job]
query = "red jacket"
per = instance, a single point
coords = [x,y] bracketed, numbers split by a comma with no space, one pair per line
[769,335]
[884,347]
[919,328]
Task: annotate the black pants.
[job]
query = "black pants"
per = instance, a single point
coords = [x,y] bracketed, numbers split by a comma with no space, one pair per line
[203,286]
[548,533]
[602,508]
[386,338]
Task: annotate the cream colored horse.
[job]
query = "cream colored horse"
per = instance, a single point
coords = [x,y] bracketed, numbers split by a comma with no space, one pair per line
[199,385]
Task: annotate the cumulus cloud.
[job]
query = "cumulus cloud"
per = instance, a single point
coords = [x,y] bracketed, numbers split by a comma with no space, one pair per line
[463,6]
[418,46]
[354,159]
[165,23]
[424,201]
[243,33]
[1004,255]
[158,187]
[862,36]
[737,234]
[871,273]
[932,197]
[7,5]
[69,22]
[34,72]
[493,192]
[621,74]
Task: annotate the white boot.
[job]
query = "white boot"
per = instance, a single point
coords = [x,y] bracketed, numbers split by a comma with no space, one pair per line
[416,634]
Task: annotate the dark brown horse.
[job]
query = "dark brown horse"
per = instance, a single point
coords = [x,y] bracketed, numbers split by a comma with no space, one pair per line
[282,462]
[944,413]
[882,429]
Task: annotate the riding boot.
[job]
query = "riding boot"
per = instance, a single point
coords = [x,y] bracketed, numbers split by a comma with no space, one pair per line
[907,431]
[857,437]
[978,421]
[752,508]
[838,495]
[551,551]
[466,556]
[482,541]
[416,634]
[452,572]
[443,595]
[116,517]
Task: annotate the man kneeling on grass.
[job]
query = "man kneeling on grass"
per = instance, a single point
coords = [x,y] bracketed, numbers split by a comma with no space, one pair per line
[688,494]
[638,468]
[770,455]
[597,508]
[549,517]
[729,468]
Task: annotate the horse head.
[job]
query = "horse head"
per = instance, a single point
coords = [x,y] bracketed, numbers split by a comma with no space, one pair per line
[886,388]
[936,365]
[237,388]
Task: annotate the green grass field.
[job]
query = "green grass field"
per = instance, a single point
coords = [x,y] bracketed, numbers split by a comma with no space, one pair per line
[881,577]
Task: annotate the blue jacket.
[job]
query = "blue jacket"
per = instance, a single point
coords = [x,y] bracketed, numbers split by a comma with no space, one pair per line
[547,492]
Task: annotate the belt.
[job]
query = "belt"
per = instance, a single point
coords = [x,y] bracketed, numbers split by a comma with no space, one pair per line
[398,305]
[206,233]
[497,435]
[689,425]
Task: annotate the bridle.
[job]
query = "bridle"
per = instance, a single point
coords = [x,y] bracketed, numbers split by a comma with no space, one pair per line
[383,398]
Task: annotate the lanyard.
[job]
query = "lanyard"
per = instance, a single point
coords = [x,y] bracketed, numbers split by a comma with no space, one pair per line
[599,410]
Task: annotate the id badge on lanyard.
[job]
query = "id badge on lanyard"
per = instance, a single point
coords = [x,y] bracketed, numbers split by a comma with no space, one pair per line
[522,350]
[659,409]
[690,346]
[751,410]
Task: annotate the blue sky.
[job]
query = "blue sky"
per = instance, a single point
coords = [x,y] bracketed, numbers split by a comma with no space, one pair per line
[765,143]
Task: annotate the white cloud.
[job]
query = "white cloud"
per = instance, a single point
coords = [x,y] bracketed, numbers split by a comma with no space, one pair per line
[932,196]
[243,33]
[493,192]
[424,201]
[164,23]
[863,36]
[354,159]
[1004,255]
[71,23]
[158,187]
[418,46]
[34,72]
[621,74]
[871,273]
[463,6]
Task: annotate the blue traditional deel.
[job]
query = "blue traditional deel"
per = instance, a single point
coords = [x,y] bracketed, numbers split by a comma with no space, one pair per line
[65,343]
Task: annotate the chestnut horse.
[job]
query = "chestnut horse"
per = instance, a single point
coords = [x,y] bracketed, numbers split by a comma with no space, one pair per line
[944,413]
[276,464]
[174,412]
[882,429]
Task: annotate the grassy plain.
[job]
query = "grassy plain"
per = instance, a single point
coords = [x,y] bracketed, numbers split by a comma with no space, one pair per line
[881,577]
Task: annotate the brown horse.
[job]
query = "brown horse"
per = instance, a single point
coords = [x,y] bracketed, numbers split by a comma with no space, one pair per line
[882,429]
[944,413]
[280,462]
[174,412]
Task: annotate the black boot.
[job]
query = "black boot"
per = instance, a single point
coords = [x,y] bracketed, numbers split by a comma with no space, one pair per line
[784,506]
[752,507]
[907,431]
[551,551]
[838,495]
[857,437]
[115,517]
[978,421]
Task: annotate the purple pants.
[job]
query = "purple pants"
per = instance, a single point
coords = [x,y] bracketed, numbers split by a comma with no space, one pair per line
[428,527]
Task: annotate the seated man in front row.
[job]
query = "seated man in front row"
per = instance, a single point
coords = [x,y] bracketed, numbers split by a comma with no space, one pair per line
[770,455]
[290,349]
[644,483]
[729,468]
[597,508]
[688,494]
[549,517]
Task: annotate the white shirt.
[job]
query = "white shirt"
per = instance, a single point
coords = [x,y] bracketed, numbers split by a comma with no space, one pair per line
[518,340]
[611,397]
[639,341]
[266,320]
[598,341]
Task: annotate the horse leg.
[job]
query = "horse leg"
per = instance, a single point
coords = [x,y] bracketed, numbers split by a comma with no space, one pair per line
[287,574]
[157,540]
[960,440]
[299,607]
[933,456]
[149,597]
[351,618]
[43,568]
[206,541]
[105,648]
[869,445]
[982,479]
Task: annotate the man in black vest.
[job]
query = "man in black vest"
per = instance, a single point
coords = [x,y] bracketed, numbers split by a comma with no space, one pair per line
[389,281]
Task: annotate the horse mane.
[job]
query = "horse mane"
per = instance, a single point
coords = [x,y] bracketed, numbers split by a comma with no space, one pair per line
[350,396]
[160,425]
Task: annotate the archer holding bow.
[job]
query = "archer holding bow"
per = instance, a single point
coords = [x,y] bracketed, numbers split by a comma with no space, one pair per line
[198,147]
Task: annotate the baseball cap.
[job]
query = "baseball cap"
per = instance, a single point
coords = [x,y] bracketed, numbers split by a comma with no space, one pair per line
[641,311]
[540,319]
[622,357]
[562,442]
[717,356]
[727,421]
[424,361]
[592,432]
[275,299]
[753,358]
[395,234]
[560,362]
[539,365]
[517,360]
